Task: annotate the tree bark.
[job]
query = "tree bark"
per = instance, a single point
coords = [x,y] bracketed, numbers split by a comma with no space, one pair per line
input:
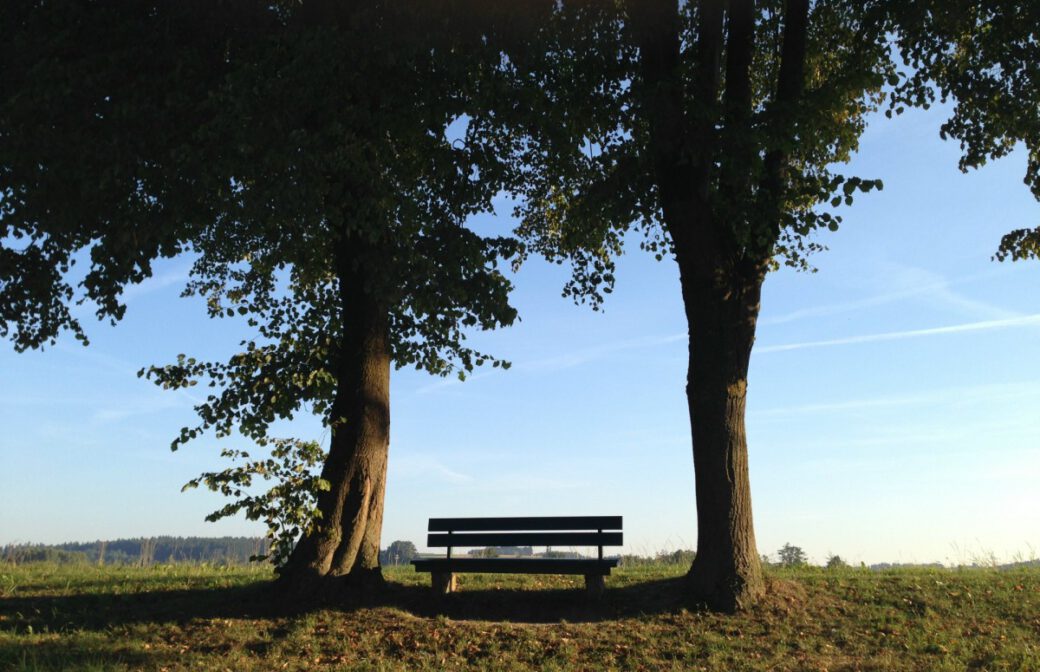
[344,545]
[720,288]
[726,573]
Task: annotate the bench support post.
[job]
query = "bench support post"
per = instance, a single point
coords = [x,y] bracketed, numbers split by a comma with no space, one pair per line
[595,584]
[443,582]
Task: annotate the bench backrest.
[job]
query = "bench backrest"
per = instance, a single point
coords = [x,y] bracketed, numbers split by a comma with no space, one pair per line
[531,531]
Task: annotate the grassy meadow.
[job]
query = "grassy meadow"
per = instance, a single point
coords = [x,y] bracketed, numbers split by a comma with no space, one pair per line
[191,617]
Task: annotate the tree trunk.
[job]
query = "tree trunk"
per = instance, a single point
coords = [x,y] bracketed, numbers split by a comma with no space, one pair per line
[721,314]
[344,546]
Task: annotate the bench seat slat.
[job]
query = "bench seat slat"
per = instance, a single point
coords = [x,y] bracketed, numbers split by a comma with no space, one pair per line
[517,565]
[525,523]
[525,539]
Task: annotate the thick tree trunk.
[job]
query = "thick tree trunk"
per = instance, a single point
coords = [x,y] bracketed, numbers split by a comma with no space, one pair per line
[344,546]
[726,573]
[703,172]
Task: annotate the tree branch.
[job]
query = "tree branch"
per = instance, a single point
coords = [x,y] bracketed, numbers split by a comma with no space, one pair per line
[681,145]
[739,147]
[790,85]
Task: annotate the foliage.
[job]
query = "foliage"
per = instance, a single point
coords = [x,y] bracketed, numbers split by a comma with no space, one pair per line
[17,554]
[205,618]
[342,177]
[399,553]
[792,556]
[347,175]
[836,562]
[288,508]
[677,557]
[589,173]
[983,57]
[487,552]
[162,550]
[717,131]
[99,164]
[299,151]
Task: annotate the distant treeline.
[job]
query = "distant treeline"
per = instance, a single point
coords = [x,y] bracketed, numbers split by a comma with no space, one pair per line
[142,551]
[239,550]
[164,550]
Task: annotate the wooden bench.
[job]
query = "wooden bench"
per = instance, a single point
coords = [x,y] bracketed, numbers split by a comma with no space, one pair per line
[559,531]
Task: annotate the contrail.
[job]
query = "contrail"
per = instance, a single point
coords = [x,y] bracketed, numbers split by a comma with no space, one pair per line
[986,325]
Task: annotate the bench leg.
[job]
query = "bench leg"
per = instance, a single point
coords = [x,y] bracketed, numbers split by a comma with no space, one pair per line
[443,582]
[595,584]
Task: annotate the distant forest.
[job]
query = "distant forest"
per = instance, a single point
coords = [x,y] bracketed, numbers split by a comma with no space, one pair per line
[239,550]
[162,550]
[142,551]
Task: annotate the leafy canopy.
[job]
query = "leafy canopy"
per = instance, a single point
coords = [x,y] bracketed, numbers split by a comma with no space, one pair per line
[985,57]
[588,165]
[99,162]
[340,168]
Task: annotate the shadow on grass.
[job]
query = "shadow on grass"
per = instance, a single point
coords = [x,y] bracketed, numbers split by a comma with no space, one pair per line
[520,605]
[67,632]
[100,611]
[108,630]
[64,656]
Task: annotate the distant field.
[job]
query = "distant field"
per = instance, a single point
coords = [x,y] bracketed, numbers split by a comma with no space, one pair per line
[180,617]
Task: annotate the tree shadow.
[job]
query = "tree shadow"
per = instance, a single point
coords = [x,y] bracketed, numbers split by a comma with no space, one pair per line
[98,611]
[520,605]
[64,655]
[93,611]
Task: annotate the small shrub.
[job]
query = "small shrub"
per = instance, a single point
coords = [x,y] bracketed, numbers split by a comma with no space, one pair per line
[792,556]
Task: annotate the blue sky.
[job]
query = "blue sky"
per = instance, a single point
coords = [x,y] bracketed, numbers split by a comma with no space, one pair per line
[892,411]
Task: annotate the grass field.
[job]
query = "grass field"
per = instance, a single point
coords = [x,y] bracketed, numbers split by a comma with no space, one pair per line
[181,617]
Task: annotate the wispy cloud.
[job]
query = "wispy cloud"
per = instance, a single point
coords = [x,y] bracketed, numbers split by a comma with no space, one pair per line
[528,483]
[901,283]
[564,361]
[452,381]
[424,466]
[910,282]
[984,325]
[495,477]
[103,361]
[937,290]
[596,352]
[139,407]
[98,359]
[86,311]
[1021,392]
[155,283]
[928,438]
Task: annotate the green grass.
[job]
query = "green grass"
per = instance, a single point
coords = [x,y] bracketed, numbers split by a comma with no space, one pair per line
[184,617]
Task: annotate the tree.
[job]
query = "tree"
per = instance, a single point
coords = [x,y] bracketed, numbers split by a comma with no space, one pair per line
[313,157]
[983,56]
[836,562]
[712,128]
[97,163]
[400,553]
[341,238]
[792,556]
